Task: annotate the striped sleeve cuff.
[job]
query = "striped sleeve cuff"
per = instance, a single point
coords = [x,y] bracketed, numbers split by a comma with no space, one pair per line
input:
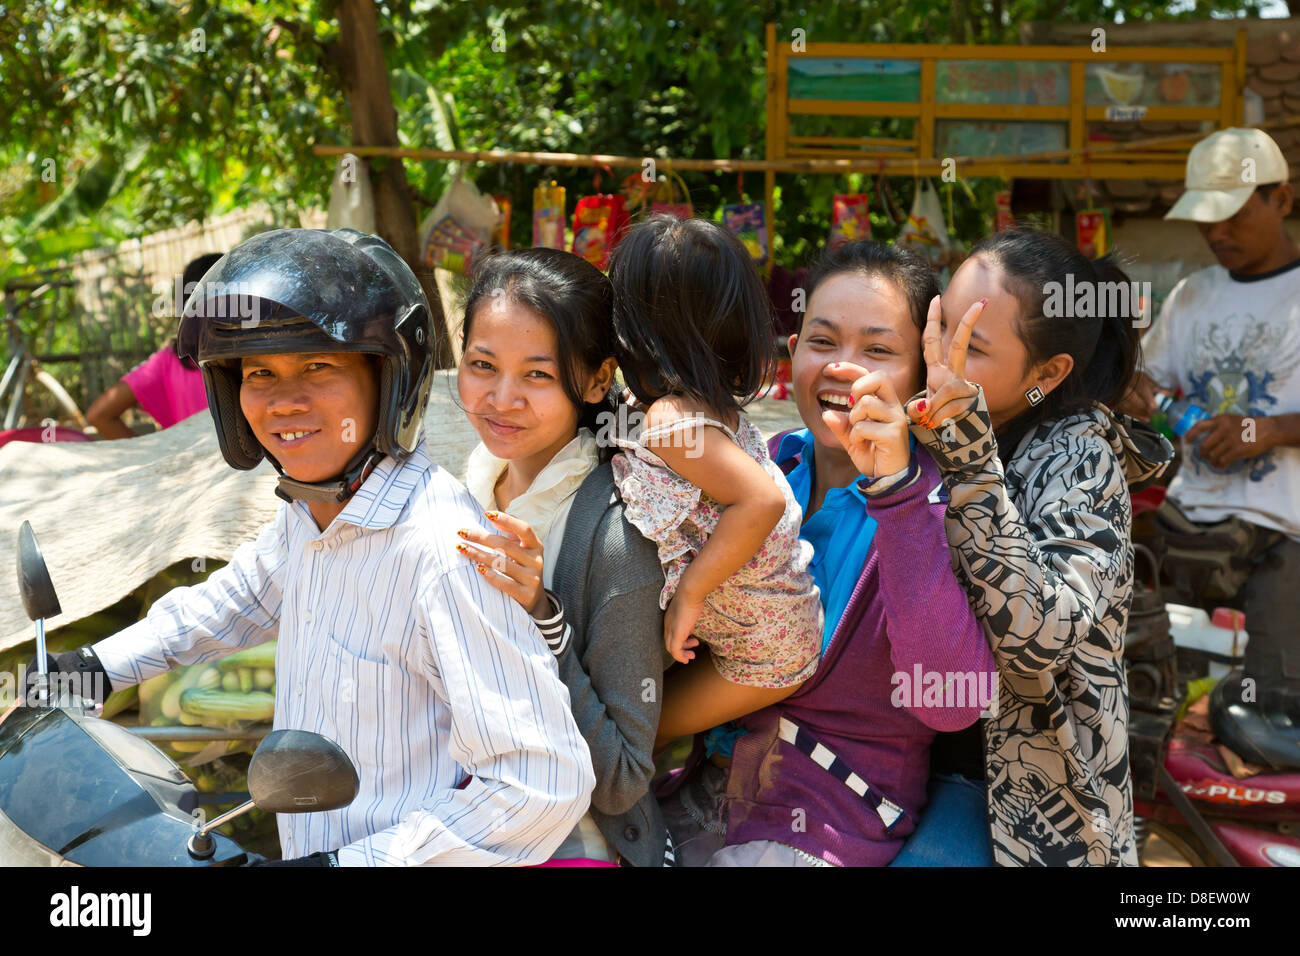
[889,483]
[378,849]
[132,655]
[555,631]
[964,443]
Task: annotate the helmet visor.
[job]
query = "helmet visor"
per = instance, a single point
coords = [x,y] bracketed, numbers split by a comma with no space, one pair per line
[351,287]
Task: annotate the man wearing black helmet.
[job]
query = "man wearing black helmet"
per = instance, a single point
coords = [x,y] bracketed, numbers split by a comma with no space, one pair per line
[315,351]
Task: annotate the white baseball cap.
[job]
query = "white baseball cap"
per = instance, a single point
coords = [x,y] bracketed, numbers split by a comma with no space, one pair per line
[1219,177]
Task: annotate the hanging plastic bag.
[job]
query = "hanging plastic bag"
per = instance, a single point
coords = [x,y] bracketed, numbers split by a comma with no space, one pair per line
[501,236]
[598,223]
[926,232]
[1002,203]
[748,221]
[548,216]
[850,219]
[352,201]
[459,225]
[667,202]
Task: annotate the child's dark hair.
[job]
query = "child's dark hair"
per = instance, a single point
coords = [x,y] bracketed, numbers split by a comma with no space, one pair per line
[1103,344]
[691,315]
[569,293]
[910,273]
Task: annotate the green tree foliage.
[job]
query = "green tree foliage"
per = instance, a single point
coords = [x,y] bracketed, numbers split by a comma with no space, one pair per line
[155,113]
[127,118]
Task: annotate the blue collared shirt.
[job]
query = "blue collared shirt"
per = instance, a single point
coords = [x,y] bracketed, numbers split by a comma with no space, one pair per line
[840,532]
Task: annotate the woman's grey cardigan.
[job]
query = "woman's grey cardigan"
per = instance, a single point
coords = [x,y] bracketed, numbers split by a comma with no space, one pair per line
[608,578]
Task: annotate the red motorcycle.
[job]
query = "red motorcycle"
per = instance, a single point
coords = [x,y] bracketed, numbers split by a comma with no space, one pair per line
[1188,802]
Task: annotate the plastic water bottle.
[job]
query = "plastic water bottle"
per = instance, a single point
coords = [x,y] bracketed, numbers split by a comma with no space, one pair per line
[1182,414]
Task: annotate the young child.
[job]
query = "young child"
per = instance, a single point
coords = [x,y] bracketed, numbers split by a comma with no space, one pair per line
[315,348]
[1038,469]
[695,339]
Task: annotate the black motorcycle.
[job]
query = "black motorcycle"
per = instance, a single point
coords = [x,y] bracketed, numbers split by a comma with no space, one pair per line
[76,790]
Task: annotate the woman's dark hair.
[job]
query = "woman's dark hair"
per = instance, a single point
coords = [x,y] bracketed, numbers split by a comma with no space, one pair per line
[910,273]
[569,293]
[691,315]
[1043,271]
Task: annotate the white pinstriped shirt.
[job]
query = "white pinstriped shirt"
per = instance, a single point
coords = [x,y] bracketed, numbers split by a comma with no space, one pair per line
[392,645]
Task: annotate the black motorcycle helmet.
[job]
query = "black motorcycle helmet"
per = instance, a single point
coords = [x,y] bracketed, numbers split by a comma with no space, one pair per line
[312,290]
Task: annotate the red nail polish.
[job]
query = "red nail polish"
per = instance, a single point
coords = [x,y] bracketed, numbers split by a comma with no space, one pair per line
[463,533]
[984,301]
[481,569]
[462,549]
[492,515]
[851,401]
[920,406]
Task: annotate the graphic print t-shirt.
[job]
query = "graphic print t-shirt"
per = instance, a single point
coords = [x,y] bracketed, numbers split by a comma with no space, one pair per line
[1232,344]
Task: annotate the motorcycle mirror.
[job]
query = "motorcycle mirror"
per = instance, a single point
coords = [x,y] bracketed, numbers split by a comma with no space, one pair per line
[297,771]
[34,584]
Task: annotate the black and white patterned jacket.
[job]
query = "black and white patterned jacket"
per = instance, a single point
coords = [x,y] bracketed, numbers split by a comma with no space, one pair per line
[1045,554]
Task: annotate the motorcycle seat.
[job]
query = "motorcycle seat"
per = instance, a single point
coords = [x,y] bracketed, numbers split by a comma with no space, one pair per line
[1261,731]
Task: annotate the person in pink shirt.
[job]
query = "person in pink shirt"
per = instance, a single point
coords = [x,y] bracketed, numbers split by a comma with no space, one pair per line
[168,388]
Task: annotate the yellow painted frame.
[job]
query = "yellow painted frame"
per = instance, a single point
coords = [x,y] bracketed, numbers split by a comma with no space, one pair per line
[915,156]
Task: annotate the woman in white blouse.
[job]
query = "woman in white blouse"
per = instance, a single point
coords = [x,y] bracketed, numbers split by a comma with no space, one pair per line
[535,380]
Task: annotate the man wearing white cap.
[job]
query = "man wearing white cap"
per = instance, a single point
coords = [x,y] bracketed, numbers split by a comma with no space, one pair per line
[1229,337]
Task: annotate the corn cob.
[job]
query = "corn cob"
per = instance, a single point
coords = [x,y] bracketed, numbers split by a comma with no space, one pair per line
[263,655]
[219,705]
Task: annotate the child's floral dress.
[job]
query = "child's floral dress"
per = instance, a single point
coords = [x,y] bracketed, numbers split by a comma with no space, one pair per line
[763,625]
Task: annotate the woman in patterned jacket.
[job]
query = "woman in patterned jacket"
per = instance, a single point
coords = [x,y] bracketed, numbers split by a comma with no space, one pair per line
[1038,470]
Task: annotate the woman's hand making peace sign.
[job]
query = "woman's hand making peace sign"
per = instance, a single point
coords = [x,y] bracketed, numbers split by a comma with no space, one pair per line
[947,393]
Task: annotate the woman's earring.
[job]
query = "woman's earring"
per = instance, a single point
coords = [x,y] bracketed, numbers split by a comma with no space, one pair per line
[1034,395]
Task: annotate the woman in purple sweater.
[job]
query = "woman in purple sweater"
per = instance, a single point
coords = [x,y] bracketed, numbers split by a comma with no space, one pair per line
[836,773]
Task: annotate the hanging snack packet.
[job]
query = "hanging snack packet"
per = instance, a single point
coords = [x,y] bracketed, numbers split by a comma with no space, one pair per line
[850,219]
[748,220]
[1091,232]
[1004,219]
[501,235]
[598,224]
[548,216]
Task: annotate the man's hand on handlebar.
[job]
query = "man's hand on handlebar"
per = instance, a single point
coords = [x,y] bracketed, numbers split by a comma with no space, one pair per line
[83,662]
